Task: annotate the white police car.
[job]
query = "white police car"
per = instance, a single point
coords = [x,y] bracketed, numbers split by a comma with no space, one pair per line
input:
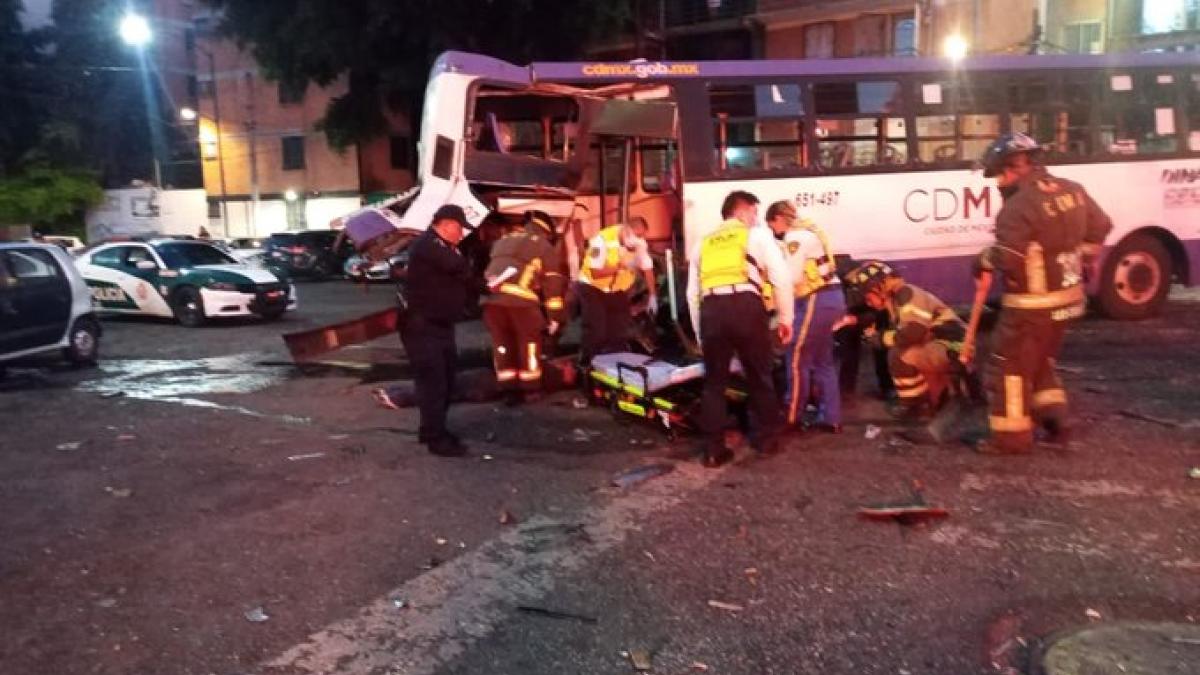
[190,280]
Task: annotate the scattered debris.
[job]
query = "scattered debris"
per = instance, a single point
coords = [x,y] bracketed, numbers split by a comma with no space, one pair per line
[702,667]
[1162,421]
[488,458]
[1185,641]
[126,437]
[1096,389]
[70,445]
[399,603]
[106,603]
[440,541]
[311,455]
[727,606]
[119,493]
[112,394]
[341,482]
[490,437]
[640,658]
[1092,614]
[1194,473]
[579,403]
[354,450]
[506,518]
[555,614]
[256,615]
[872,432]
[910,512]
[431,563]
[642,473]
[338,437]
[583,435]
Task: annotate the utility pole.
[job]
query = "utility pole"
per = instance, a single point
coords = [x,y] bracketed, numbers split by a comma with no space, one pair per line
[252,129]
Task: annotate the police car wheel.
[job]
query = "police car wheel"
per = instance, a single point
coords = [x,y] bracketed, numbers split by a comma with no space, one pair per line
[1136,278]
[272,314]
[189,307]
[83,347]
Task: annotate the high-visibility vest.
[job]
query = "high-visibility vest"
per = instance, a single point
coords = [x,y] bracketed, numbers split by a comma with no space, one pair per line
[725,259]
[817,274]
[617,274]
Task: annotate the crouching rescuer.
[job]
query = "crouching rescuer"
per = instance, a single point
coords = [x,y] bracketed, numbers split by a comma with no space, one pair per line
[525,301]
[923,342]
[1048,234]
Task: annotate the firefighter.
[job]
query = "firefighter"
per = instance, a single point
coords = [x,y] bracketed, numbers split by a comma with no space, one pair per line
[924,339]
[524,281]
[606,278]
[817,292]
[726,273]
[1048,235]
[437,283]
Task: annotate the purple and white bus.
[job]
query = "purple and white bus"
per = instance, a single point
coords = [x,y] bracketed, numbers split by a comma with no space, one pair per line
[878,152]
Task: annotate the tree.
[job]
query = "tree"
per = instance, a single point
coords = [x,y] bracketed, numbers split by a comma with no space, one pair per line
[386,47]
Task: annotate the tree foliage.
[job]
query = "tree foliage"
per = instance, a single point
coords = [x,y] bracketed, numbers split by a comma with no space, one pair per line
[386,47]
[44,195]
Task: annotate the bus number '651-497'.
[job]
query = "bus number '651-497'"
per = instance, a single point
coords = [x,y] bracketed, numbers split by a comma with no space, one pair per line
[808,199]
[108,294]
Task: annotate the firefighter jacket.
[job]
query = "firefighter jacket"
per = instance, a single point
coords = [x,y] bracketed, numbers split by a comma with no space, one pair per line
[611,264]
[918,316]
[525,270]
[1048,230]
[736,258]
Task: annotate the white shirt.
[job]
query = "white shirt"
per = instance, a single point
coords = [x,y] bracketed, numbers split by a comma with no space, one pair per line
[638,258]
[800,245]
[760,245]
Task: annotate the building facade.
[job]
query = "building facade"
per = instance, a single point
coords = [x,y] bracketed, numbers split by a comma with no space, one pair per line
[266,166]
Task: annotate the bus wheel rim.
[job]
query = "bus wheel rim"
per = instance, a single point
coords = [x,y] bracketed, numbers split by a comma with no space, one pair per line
[1138,277]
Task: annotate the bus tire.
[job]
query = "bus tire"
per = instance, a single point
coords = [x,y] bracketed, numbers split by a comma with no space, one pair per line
[189,307]
[1135,279]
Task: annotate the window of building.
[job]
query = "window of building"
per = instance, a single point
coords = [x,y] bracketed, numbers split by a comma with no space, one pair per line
[295,211]
[1085,37]
[214,208]
[818,40]
[1193,110]
[904,35]
[293,153]
[400,150]
[291,93]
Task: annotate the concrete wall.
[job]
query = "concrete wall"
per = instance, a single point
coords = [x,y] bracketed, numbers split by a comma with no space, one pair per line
[147,210]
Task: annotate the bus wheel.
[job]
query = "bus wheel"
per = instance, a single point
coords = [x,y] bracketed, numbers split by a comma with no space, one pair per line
[1136,278]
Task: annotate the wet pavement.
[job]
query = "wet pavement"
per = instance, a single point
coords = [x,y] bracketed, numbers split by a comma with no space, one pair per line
[195,476]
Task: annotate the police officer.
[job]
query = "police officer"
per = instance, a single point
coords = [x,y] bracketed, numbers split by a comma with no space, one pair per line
[437,283]
[726,273]
[923,340]
[606,279]
[819,306]
[1048,234]
[524,279]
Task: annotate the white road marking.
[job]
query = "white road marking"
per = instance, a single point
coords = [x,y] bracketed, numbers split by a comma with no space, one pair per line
[452,606]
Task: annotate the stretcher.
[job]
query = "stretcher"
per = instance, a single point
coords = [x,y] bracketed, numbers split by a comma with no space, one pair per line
[664,393]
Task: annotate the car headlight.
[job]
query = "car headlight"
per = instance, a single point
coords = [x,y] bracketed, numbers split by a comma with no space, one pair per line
[222,286]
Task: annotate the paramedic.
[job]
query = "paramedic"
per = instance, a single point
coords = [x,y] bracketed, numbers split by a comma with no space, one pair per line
[726,273]
[606,278]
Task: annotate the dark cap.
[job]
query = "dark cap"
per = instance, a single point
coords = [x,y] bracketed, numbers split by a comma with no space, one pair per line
[452,212]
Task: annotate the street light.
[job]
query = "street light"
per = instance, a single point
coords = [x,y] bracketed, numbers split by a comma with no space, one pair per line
[188,114]
[955,48]
[135,30]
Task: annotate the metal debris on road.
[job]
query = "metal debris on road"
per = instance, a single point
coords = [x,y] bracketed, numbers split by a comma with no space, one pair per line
[106,603]
[126,437]
[120,493]
[555,614]
[1092,614]
[488,458]
[702,667]
[872,432]
[432,563]
[1194,473]
[506,518]
[311,455]
[579,403]
[640,658]
[441,541]
[256,615]
[70,445]
[583,435]
[642,473]
[338,437]
[727,606]
[399,603]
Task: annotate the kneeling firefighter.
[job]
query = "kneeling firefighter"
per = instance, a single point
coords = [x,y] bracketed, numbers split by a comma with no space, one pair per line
[923,342]
[524,280]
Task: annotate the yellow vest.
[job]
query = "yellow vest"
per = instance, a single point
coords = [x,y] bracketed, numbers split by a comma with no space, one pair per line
[723,257]
[616,276]
[813,280]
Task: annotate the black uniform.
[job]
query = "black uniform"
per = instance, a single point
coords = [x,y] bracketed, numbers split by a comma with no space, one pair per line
[432,300]
[1046,234]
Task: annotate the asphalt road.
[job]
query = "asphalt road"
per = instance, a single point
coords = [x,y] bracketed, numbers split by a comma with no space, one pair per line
[149,506]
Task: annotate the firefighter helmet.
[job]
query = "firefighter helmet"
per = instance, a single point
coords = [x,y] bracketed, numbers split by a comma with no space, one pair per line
[1006,146]
[541,223]
[868,277]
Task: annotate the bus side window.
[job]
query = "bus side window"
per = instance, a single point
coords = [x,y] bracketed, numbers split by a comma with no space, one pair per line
[859,124]
[758,127]
[1193,110]
[1136,115]
[936,122]
[1056,114]
[658,166]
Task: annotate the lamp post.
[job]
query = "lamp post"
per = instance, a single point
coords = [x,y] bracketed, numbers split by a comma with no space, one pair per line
[135,31]
[212,80]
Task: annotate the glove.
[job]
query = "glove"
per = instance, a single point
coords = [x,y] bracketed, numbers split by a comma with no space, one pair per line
[552,328]
[652,306]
